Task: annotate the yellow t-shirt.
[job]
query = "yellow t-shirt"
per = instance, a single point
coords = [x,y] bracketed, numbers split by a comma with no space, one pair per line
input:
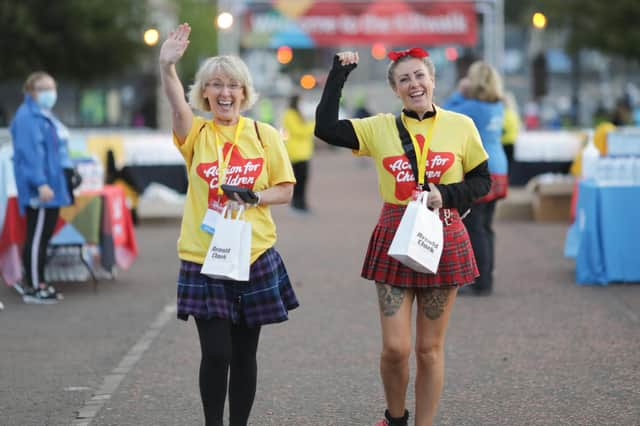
[511,127]
[299,136]
[252,164]
[454,150]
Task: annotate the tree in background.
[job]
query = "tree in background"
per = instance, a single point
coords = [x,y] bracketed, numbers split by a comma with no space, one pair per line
[608,27]
[604,26]
[78,40]
[201,16]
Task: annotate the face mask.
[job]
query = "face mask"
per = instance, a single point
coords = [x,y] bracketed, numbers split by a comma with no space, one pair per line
[47,98]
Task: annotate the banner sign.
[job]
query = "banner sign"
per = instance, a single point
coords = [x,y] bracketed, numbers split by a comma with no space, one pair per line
[334,23]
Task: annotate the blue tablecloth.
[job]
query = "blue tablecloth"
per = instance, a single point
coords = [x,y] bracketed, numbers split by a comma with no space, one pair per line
[605,238]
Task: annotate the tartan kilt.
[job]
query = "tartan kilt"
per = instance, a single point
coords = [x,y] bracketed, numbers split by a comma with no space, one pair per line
[266,298]
[499,188]
[457,265]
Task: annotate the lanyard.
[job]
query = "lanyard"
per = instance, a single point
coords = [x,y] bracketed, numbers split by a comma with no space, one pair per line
[421,154]
[224,162]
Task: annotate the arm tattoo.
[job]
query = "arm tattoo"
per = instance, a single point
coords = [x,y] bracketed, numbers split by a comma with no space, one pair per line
[390,298]
[433,301]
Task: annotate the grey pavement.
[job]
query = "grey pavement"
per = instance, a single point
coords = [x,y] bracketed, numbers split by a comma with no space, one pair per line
[540,351]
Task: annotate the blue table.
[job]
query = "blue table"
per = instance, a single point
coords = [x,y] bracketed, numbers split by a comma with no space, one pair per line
[605,237]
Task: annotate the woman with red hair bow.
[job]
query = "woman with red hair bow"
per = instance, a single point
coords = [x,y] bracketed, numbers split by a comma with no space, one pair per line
[454,172]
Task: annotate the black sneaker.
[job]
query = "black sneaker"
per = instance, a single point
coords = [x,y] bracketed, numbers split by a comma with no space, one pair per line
[52,292]
[40,296]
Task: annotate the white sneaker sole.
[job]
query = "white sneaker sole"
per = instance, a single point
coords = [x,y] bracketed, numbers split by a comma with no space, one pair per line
[37,300]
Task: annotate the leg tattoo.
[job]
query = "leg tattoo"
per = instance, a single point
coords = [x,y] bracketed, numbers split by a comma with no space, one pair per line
[390,298]
[433,301]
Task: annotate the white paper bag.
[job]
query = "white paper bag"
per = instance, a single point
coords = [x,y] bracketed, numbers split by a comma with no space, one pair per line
[419,238]
[229,253]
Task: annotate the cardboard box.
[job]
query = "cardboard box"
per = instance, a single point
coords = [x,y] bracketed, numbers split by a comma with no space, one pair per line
[552,199]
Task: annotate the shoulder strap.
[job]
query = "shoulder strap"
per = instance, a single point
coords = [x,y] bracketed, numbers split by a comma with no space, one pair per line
[255,125]
[264,148]
[199,131]
[407,146]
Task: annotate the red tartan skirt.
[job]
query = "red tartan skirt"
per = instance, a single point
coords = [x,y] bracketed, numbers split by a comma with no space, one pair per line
[457,264]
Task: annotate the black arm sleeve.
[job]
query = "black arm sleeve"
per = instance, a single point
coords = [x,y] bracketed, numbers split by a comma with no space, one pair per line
[461,195]
[328,127]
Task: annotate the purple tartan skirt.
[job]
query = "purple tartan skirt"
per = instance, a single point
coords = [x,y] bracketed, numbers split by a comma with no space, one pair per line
[265,299]
[457,265]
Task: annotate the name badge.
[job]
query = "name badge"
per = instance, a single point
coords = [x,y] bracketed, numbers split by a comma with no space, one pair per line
[210,219]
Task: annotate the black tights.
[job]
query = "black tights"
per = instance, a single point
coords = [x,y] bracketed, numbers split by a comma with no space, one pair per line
[227,347]
[301,172]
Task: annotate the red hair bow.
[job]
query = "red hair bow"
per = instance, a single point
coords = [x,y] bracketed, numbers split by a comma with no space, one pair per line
[416,52]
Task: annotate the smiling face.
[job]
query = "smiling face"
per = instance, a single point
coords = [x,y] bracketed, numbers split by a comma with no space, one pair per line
[225,96]
[414,85]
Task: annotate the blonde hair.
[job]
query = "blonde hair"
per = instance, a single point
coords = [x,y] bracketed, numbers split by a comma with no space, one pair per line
[30,83]
[485,83]
[230,66]
[393,64]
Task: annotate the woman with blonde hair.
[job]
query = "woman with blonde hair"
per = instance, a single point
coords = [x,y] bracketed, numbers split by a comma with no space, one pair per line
[479,96]
[232,149]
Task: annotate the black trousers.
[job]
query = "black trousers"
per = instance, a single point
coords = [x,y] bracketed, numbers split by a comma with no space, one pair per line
[301,172]
[479,224]
[40,225]
[508,150]
[228,356]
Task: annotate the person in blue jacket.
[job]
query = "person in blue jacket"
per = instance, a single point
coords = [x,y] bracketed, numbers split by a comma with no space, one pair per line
[480,96]
[40,157]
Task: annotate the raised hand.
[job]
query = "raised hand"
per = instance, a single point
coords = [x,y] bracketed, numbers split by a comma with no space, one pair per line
[348,58]
[175,45]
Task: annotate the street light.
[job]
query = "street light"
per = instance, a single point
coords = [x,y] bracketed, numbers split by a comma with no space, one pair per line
[378,51]
[307,82]
[284,54]
[539,20]
[151,36]
[451,53]
[225,20]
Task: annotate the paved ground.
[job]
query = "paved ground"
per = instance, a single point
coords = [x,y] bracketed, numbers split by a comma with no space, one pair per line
[541,351]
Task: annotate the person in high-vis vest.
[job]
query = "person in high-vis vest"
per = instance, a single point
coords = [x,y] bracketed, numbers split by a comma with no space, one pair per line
[299,139]
[510,126]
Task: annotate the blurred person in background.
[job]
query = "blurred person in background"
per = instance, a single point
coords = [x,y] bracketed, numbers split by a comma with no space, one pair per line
[455,173]
[227,148]
[510,126]
[622,113]
[479,96]
[620,116]
[299,139]
[43,173]
[361,110]
[532,115]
